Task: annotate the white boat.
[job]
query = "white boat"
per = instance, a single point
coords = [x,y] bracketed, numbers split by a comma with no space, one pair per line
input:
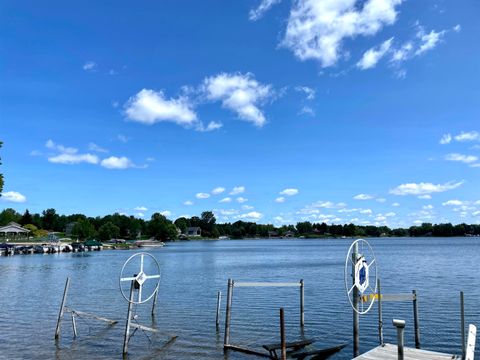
[149,243]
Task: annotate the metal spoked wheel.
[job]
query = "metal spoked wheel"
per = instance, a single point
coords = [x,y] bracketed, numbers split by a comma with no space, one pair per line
[360,273]
[141,267]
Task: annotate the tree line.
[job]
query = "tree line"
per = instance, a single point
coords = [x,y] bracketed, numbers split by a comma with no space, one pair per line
[119,226]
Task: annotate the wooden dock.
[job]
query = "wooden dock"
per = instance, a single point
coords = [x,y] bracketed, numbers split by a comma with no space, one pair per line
[389,352]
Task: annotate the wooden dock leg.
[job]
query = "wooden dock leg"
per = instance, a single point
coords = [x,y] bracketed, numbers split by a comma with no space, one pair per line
[356,316]
[416,319]
[462,325]
[380,316]
[282,335]
[302,303]
[226,340]
[129,319]
[217,318]
[400,325]
[62,306]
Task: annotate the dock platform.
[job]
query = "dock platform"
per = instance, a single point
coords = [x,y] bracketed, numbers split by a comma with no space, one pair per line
[389,352]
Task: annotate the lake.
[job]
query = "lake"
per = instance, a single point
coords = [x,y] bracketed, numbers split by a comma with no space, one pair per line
[31,288]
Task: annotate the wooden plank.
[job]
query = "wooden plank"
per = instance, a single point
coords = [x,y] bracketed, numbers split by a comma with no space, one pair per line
[246,350]
[142,327]
[265,284]
[389,352]
[93,316]
[289,345]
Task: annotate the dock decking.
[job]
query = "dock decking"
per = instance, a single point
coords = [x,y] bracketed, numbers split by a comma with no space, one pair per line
[389,352]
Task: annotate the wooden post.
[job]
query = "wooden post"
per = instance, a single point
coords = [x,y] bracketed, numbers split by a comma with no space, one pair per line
[302,303]
[380,317]
[226,340]
[400,325]
[154,305]
[356,316]
[60,313]
[283,342]
[219,300]
[129,319]
[416,320]
[462,324]
[74,325]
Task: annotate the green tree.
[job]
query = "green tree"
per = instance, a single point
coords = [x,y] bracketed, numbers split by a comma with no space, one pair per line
[182,223]
[207,223]
[160,228]
[108,231]
[26,218]
[9,215]
[83,229]
[49,219]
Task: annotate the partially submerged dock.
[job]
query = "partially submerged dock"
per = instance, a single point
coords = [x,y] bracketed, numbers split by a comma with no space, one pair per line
[390,352]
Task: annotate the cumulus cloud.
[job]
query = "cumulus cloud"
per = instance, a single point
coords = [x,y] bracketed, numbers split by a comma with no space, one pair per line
[251,216]
[280,199]
[457,28]
[50,144]
[166,213]
[150,107]
[241,200]
[454,203]
[212,126]
[468,136]
[425,197]
[89,66]
[140,208]
[372,56]
[13,196]
[289,192]
[188,203]
[94,147]
[366,211]
[117,163]
[317,29]
[467,159]
[218,190]
[240,93]
[237,190]
[395,204]
[363,197]
[428,41]
[308,91]
[71,159]
[226,200]
[424,188]
[202,195]
[446,139]
[264,6]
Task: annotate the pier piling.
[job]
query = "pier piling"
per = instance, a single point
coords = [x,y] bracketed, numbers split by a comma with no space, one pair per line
[228,310]
[62,307]
[380,316]
[462,325]
[416,319]
[219,300]
[400,325]
[302,304]
[283,342]
[356,315]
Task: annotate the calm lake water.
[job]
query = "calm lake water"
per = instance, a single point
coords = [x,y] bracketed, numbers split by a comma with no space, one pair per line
[31,288]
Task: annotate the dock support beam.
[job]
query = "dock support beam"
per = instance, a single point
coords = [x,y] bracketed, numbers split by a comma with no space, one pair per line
[154,305]
[416,320]
[126,338]
[302,304]
[283,341]
[356,316]
[219,300]
[400,325]
[462,324]
[228,312]
[380,316]
[62,307]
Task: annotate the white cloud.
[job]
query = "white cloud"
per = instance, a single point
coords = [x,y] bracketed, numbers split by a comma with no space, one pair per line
[118,163]
[241,200]
[71,159]
[237,190]
[280,199]
[366,211]
[372,56]
[202,196]
[396,204]
[468,136]
[13,196]
[427,207]
[150,107]
[140,214]
[240,93]
[188,203]
[457,28]
[140,208]
[264,6]
[96,148]
[454,203]
[226,200]
[381,200]
[251,216]
[425,197]
[89,66]
[247,207]
[212,126]
[390,214]
[317,29]
[467,159]
[307,110]
[60,148]
[227,212]
[308,91]
[289,192]
[424,188]
[446,139]
[166,213]
[428,41]
[218,190]
[363,197]
[403,53]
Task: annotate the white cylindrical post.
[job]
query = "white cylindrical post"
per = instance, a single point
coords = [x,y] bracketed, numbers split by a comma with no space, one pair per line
[129,319]
[219,300]
[400,325]
[226,340]
[302,303]
[356,315]
[62,307]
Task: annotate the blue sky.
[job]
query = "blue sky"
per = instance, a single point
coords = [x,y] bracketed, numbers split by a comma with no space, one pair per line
[265,110]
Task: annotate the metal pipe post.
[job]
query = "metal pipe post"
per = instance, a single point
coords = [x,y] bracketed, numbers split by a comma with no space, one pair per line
[462,324]
[356,316]
[416,320]
[74,325]
[60,313]
[400,325]
[219,300]
[302,304]
[283,342]
[154,305]
[129,319]
[380,316]
[228,311]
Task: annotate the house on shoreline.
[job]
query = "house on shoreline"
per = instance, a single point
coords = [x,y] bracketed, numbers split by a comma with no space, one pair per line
[13,231]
